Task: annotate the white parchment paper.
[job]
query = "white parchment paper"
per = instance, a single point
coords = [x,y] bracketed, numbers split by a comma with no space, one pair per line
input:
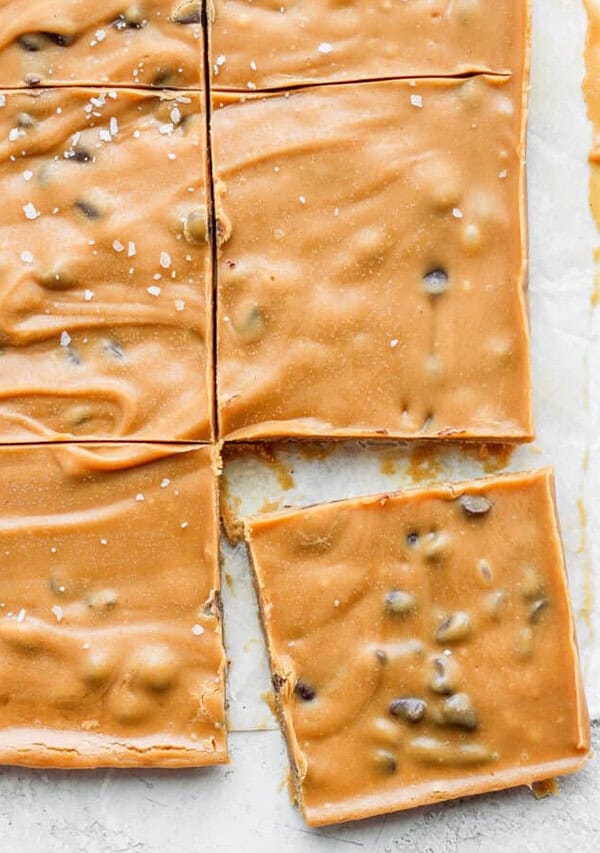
[566,375]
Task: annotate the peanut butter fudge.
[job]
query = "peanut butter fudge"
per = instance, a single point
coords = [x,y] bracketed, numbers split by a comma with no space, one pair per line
[372,263]
[264,44]
[422,645]
[53,42]
[105,283]
[110,634]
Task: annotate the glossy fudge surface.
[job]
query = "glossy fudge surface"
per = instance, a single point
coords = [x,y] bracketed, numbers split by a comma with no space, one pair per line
[105,293]
[422,644]
[150,42]
[110,630]
[372,261]
[266,44]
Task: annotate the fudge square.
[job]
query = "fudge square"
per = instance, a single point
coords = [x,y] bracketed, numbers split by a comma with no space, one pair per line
[52,42]
[105,293]
[262,44]
[110,630]
[422,645]
[372,263]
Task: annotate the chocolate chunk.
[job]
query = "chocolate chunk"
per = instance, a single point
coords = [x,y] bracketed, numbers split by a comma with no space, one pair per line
[436,281]
[412,538]
[80,155]
[87,209]
[59,39]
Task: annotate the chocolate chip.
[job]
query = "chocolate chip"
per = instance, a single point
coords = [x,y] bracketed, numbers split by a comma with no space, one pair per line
[412,538]
[304,691]
[436,282]
[381,655]
[32,79]
[59,39]
[79,155]
[475,504]
[162,77]
[277,681]
[87,209]
[408,708]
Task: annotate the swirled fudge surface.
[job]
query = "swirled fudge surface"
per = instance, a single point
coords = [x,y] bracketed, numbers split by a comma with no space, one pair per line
[422,645]
[105,297]
[372,261]
[110,634]
[265,44]
[149,42]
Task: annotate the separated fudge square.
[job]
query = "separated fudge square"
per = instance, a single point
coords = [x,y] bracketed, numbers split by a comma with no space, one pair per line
[372,261]
[267,44]
[110,628]
[422,645]
[114,42]
[105,280]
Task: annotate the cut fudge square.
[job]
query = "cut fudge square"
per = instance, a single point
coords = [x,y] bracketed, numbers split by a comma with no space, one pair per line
[422,645]
[105,293]
[265,44]
[150,42]
[372,264]
[110,630]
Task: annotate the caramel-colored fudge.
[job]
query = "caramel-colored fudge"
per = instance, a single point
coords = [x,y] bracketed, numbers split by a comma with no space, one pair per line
[422,645]
[110,634]
[372,264]
[53,42]
[105,291]
[265,44]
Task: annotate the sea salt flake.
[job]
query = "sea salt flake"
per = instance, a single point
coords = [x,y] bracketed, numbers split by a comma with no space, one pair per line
[394,343]
[197,630]
[65,339]
[457,214]
[21,615]
[118,246]
[28,174]
[184,524]
[88,295]
[27,257]
[325,47]
[154,290]
[30,211]
[179,305]
[165,260]
[164,483]
[113,126]
[58,612]
[139,497]
[14,134]
[104,135]
[416,101]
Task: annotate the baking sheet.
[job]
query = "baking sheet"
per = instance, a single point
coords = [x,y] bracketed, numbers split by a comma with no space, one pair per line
[565,332]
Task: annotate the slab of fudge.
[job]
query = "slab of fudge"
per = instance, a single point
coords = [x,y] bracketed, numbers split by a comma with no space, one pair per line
[372,264]
[105,293]
[266,44]
[110,631]
[54,42]
[422,645]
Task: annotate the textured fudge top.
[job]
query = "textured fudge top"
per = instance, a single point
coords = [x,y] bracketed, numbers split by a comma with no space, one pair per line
[104,266]
[263,44]
[51,42]
[110,638]
[422,644]
[372,261]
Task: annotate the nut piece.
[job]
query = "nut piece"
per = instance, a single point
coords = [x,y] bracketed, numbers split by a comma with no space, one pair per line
[156,667]
[436,546]
[532,585]
[430,750]
[458,710]
[436,282]
[399,603]
[385,760]
[445,675]
[409,708]
[475,504]
[187,12]
[537,610]
[455,627]
[305,691]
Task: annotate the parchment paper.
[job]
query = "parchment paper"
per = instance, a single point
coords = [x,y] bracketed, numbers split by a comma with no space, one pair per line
[566,376]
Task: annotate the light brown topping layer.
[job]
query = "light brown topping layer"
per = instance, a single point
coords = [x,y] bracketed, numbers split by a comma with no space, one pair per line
[265,44]
[105,303]
[372,261]
[421,644]
[110,634]
[135,42]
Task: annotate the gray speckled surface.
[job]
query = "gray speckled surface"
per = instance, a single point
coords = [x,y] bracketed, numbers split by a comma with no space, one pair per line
[245,807]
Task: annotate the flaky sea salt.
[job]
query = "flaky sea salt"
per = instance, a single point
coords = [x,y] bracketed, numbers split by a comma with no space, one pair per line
[65,339]
[197,630]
